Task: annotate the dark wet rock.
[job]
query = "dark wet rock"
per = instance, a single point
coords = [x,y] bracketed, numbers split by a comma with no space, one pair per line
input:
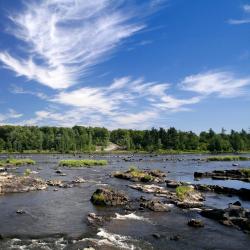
[17,184]
[243,192]
[3,169]
[156,235]
[58,171]
[237,203]
[232,174]
[155,205]
[108,197]
[195,223]
[20,211]
[234,215]
[173,184]
[175,237]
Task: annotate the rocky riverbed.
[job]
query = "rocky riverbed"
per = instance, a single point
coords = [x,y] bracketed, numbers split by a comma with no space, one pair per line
[49,207]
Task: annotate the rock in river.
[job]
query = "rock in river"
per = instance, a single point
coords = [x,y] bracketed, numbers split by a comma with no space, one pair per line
[18,184]
[108,197]
[195,223]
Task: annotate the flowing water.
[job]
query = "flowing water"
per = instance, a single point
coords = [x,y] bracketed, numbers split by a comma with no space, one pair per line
[58,220]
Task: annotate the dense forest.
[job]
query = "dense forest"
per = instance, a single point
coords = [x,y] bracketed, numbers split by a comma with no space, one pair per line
[82,139]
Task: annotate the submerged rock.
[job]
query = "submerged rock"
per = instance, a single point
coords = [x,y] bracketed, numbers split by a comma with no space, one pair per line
[108,197]
[195,223]
[95,219]
[20,211]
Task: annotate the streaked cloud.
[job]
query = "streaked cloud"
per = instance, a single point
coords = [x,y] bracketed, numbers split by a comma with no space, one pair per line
[9,115]
[220,83]
[245,20]
[65,39]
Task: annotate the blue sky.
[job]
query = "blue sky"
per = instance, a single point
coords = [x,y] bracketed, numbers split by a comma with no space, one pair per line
[127,64]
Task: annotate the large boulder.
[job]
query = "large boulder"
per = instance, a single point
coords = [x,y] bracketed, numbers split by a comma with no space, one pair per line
[108,197]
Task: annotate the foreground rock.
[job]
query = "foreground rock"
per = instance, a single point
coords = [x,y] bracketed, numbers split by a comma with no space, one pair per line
[18,184]
[238,174]
[108,197]
[135,174]
[234,215]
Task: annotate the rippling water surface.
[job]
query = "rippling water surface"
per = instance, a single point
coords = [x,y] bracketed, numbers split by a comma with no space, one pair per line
[57,220]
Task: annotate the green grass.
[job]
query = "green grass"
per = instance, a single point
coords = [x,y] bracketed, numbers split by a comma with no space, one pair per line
[182,191]
[16,162]
[27,172]
[245,171]
[98,199]
[82,163]
[228,158]
[140,174]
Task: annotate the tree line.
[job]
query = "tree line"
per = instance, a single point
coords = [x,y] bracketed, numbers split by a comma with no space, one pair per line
[82,139]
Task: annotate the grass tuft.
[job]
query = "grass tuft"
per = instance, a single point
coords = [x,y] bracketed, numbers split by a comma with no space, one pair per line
[228,158]
[82,163]
[16,162]
[245,171]
[182,191]
[98,199]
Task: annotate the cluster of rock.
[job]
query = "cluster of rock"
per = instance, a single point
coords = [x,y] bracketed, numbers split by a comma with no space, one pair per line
[234,215]
[234,174]
[64,184]
[155,175]
[193,199]
[243,193]
[18,184]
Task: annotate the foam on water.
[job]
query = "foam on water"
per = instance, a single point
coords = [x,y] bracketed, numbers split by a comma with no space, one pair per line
[117,240]
[131,216]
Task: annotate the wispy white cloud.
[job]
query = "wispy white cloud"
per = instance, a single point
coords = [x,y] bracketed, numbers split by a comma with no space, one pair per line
[221,83]
[125,102]
[136,103]
[66,38]
[245,20]
[19,90]
[11,114]
[246,8]
[239,21]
